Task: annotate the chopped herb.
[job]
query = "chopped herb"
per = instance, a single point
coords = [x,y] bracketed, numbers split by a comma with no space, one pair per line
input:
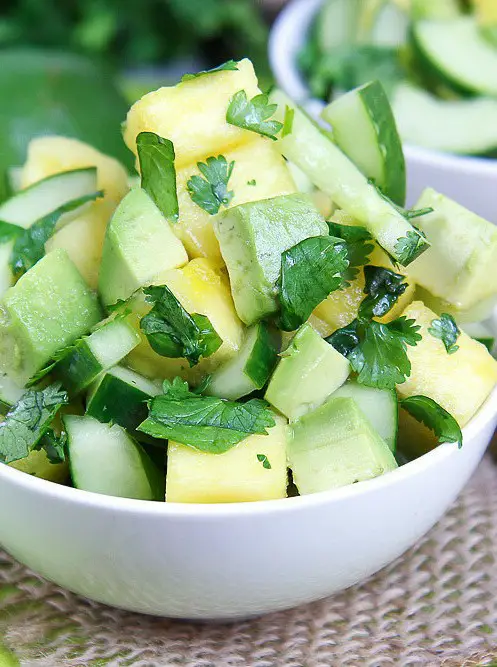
[447,331]
[54,446]
[288,121]
[28,420]
[359,247]
[429,412]
[8,231]
[206,423]
[264,460]
[417,212]
[173,332]
[310,271]
[383,287]
[158,173]
[29,244]
[228,66]
[252,182]
[211,192]
[253,115]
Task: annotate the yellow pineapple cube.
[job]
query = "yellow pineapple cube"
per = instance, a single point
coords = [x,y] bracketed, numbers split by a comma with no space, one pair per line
[259,173]
[52,154]
[200,289]
[486,12]
[459,382]
[192,114]
[235,476]
[82,239]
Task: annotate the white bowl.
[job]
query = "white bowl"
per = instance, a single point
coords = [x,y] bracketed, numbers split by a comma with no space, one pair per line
[231,561]
[471,181]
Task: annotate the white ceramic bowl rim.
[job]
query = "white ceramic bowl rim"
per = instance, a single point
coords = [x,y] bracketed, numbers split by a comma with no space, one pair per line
[287,36]
[195,510]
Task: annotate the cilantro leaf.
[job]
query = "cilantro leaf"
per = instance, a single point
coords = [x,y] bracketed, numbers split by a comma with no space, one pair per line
[173,332]
[359,247]
[228,66]
[29,244]
[447,331]
[410,246]
[429,412]
[252,182]
[8,231]
[253,114]
[211,191]
[288,121]
[28,421]
[383,288]
[54,446]
[310,271]
[264,460]
[206,423]
[379,357]
[158,173]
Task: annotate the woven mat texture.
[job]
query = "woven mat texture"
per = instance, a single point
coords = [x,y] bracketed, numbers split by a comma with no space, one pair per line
[437,605]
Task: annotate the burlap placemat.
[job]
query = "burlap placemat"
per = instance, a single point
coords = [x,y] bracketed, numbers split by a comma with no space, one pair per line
[435,606]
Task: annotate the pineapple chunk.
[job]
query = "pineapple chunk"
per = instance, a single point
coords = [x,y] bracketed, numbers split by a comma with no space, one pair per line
[193,114]
[235,476]
[52,154]
[82,239]
[486,12]
[258,161]
[341,307]
[200,289]
[459,382]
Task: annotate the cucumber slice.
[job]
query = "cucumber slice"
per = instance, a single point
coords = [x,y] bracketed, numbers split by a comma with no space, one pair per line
[337,23]
[481,333]
[390,26]
[458,54]
[6,275]
[119,396]
[105,459]
[379,405]
[428,121]
[10,391]
[330,170]
[95,353]
[43,197]
[250,369]
[364,129]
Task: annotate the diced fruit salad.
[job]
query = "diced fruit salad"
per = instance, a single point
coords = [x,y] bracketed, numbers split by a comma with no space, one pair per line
[437,60]
[254,315]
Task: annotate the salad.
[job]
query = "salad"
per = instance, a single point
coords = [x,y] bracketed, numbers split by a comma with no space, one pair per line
[254,315]
[437,60]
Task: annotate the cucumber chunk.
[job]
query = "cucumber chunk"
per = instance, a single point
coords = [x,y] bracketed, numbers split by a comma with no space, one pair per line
[95,353]
[105,459]
[252,237]
[10,391]
[378,405]
[428,121]
[337,24]
[308,372]
[364,129]
[334,446]
[119,396]
[43,197]
[481,333]
[330,170]
[47,309]
[250,369]
[458,54]
[138,245]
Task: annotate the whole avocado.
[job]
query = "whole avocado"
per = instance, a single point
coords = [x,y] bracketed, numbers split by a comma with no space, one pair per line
[49,92]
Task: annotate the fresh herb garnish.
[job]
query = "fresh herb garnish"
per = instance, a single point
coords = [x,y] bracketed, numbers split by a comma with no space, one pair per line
[211,192]
[29,244]
[410,246]
[8,231]
[158,173]
[206,423]
[359,247]
[429,412]
[228,66]
[447,331]
[383,287]
[28,420]
[253,114]
[310,271]
[264,460]
[54,446]
[173,332]
[288,121]
[252,182]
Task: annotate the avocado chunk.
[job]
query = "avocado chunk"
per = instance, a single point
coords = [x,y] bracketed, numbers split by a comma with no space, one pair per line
[47,309]
[309,370]
[139,244]
[334,446]
[252,237]
[460,267]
